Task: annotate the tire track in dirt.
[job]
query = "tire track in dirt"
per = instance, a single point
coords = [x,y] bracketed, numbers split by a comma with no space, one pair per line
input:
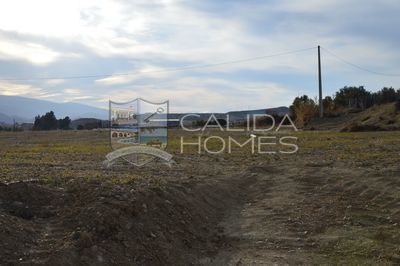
[256,231]
[311,214]
[281,216]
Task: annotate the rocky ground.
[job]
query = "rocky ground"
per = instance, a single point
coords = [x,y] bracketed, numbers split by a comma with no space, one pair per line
[336,201]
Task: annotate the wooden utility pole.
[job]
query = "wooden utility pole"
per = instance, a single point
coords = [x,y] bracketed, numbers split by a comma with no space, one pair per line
[321,107]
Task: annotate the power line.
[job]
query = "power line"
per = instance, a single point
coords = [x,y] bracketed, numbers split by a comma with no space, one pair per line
[164,70]
[359,67]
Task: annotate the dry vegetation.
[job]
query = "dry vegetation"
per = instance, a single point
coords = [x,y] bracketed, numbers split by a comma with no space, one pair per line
[336,201]
[384,117]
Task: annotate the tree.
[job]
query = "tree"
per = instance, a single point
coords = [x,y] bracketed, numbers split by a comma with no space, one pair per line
[385,95]
[50,122]
[80,127]
[64,123]
[352,97]
[328,105]
[303,109]
[45,122]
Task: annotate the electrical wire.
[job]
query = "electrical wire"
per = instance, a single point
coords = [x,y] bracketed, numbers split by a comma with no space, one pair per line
[359,67]
[193,67]
[164,70]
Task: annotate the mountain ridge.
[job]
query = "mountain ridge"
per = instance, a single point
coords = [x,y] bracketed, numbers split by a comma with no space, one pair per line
[24,110]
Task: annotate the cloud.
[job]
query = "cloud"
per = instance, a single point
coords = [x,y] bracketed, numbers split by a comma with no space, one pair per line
[16,89]
[29,51]
[72,91]
[145,72]
[78,98]
[146,37]
[54,82]
[201,94]
[76,95]
[26,90]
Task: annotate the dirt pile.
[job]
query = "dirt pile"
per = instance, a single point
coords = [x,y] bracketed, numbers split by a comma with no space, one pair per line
[102,224]
[385,117]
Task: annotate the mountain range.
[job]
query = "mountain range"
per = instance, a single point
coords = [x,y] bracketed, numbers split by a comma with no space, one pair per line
[24,110]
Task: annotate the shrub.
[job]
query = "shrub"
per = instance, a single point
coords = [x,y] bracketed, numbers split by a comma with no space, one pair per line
[303,109]
[397,106]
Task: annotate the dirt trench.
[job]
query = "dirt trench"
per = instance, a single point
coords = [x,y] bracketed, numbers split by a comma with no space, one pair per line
[100,223]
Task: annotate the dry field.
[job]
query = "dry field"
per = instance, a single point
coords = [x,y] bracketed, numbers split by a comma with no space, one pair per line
[336,201]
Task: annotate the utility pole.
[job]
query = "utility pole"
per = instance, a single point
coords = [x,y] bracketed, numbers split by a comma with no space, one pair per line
[321,108]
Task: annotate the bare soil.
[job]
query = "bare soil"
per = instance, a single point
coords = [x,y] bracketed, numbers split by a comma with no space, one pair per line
[335,202]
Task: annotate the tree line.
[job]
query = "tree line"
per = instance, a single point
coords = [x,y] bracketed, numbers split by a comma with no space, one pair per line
[304,108]
[50,122]
[8,128]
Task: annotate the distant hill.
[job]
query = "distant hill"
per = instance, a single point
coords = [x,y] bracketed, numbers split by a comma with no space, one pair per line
[5,119]
[241,115]
[234,116]
[25,109]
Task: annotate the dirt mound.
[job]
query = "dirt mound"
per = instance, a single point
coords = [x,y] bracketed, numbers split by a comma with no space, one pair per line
[102,224]
[27,200]
[385,117]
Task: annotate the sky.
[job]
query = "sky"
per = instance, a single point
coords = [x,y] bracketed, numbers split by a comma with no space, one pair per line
[43,43]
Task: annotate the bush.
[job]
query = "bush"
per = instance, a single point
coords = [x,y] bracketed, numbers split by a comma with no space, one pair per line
[398,106]
[303,109]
